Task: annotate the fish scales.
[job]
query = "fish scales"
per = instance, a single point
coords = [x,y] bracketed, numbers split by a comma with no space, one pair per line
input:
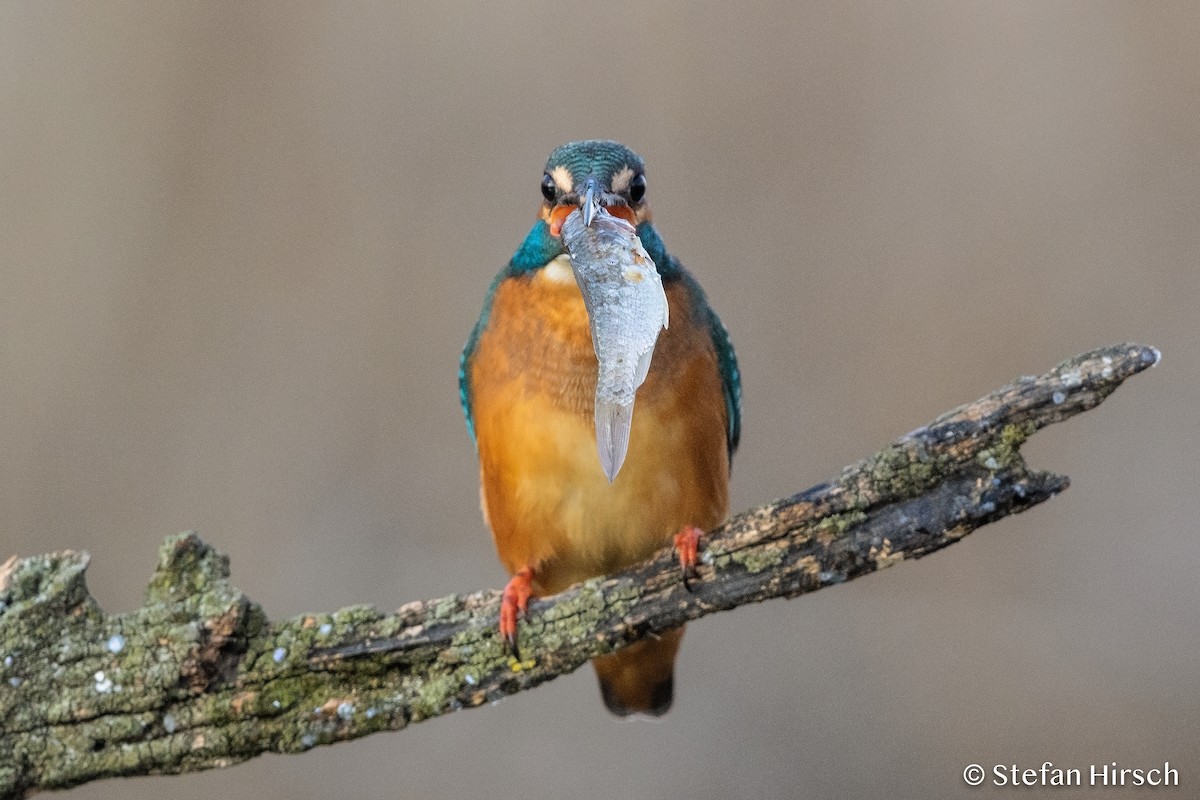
[627,309]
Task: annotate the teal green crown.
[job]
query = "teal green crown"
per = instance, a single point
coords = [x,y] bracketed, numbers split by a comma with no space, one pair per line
[600,157]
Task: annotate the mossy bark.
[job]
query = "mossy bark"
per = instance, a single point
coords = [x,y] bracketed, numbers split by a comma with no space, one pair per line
[200,678]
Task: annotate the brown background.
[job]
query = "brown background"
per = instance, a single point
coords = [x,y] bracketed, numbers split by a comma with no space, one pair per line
[242,244]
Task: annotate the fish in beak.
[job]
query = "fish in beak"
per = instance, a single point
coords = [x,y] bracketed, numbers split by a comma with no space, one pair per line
[627,309]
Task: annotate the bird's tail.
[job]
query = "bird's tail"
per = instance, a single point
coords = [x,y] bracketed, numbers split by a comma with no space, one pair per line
[641,678]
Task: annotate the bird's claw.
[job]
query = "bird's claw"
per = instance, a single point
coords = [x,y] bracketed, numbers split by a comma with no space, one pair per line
[513,603]
[687,547]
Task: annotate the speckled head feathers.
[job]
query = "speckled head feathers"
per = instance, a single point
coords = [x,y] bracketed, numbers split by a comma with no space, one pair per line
[611,162]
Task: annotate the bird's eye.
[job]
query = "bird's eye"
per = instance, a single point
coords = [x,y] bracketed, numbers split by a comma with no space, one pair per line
[549,189]
[637,189]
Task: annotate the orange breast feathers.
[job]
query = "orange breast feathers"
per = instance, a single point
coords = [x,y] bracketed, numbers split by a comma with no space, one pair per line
[544,494]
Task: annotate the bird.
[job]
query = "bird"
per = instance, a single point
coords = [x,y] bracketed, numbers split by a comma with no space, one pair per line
[527,380]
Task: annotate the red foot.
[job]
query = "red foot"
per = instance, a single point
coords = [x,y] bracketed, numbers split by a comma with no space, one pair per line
[512,604]
[687,545]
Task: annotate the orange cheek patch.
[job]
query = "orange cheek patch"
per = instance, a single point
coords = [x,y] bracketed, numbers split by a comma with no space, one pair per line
[557,217]
[624,212]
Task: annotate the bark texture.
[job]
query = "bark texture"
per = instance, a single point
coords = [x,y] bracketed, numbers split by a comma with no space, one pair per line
[200,678]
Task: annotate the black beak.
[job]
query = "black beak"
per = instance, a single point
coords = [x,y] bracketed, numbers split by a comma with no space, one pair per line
[591,201]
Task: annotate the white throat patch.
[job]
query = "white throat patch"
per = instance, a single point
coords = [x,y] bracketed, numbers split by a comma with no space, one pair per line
[559,270]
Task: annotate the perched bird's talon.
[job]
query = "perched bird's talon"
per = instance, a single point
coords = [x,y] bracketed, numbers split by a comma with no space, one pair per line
[513,603]
[687,547]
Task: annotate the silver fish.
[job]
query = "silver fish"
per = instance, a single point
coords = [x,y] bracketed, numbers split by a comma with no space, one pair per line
[627,308]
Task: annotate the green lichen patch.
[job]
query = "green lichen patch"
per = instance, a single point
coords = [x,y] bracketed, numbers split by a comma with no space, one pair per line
[187,568]
[897,472]
[433,696]
[51,581]
[838,524]
[756,559]
[288,694]
[1014,435]
[1004,450]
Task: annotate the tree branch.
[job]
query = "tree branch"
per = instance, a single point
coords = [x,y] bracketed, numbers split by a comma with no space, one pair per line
[199,678]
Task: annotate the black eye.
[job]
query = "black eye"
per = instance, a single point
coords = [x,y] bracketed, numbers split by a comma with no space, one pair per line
[549,190]
[637,189]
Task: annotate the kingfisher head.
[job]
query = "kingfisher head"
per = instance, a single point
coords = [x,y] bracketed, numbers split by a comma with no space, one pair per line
[592,174]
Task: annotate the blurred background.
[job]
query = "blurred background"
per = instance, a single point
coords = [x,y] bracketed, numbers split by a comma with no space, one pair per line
[241,246]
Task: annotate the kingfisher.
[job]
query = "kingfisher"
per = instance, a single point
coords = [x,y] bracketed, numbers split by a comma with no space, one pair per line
[559,511]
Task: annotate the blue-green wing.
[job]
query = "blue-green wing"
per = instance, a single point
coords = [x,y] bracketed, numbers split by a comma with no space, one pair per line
[731,380]
[464,360]
[464,379]
[731,376]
